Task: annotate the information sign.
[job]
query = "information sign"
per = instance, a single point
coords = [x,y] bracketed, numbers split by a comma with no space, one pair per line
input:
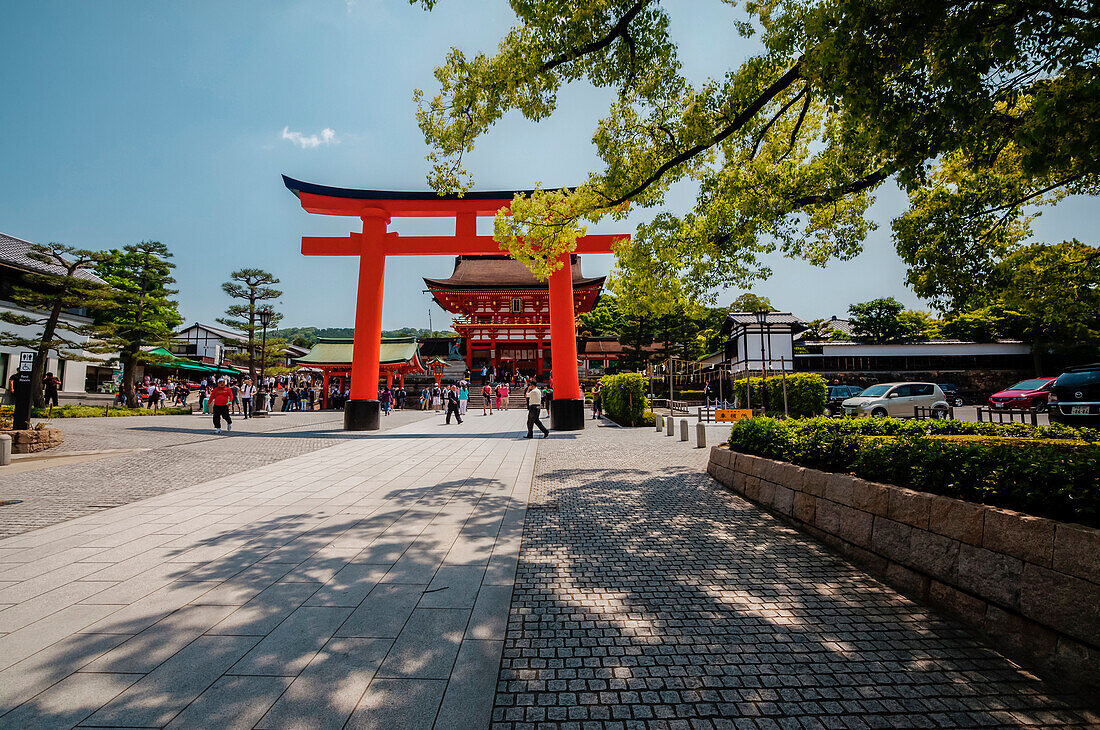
[26,362]
[728,415]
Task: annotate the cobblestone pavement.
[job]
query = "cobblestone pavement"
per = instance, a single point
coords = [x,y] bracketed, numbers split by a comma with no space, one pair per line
[362,586]
[649,597]
[174,452]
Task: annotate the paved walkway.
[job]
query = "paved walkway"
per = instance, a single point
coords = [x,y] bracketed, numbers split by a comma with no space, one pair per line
[170,452]
[650,597]
[365,586]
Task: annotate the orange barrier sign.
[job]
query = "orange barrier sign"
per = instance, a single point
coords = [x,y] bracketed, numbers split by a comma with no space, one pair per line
[731,414]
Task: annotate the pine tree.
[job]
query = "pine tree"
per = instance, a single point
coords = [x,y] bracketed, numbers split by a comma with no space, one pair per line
[144,315]
[253,286]
[48,295]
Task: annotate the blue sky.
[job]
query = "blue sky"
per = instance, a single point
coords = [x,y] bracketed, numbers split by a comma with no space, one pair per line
[173,121]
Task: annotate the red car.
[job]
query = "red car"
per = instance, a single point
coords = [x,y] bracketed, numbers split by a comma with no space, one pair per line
[1025,395]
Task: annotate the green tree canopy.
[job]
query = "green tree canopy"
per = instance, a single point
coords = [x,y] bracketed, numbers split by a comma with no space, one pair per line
[749,302]
[976,109]
[886,321]
[144,314]
[70,290]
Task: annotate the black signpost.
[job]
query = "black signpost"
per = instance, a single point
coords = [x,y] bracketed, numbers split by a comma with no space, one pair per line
[21,420]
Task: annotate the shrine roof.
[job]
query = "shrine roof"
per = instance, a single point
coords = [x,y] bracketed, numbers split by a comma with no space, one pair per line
[503,272]
[338,351]
[299,186]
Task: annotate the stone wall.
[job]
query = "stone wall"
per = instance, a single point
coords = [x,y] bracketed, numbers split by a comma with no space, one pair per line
[33,440]
[1030,584]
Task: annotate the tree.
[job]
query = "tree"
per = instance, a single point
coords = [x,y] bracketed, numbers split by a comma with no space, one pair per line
[789,147]
[885,321]
[603,320]
[1051,298]
[70,286]
[144,314]
[749,302]
[253,286]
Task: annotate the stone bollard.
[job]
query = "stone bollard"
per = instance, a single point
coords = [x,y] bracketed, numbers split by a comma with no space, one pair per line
[670,426]
[5,449]
[700,435]
[660,420]
[683,429]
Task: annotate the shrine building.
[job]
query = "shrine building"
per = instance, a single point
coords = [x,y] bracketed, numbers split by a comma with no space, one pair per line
[503,312]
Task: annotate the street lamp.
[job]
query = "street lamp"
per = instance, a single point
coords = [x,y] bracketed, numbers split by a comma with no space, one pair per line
[264,313]
[762,320]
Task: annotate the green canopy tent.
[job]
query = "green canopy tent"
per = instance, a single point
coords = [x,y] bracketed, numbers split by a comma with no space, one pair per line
[186,364]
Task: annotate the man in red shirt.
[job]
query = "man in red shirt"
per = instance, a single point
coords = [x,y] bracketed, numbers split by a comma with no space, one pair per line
[487,398]
[220,398]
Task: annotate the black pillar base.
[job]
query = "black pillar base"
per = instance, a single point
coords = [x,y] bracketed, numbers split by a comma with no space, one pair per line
[567,414]
[362,415]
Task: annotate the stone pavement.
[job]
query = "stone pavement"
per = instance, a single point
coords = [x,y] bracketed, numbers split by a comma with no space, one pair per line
[647,596]
[173,452]
[365,585]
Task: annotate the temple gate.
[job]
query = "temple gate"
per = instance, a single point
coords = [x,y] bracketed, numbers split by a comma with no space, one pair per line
[375,208]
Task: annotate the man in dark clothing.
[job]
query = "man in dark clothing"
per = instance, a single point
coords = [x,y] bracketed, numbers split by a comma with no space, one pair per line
[452,404]
[51,383]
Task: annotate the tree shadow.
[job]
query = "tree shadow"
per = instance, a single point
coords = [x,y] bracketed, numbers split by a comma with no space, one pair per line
[288,594]
[691,590]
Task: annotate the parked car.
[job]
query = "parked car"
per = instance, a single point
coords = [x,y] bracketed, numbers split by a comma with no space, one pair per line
[951,393]
[1075,396]
[1026,395]
[837,395]
[897,399]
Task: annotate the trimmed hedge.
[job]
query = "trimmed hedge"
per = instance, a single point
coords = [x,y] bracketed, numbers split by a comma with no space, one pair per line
[79,411]
[1051,471]
[806,394]
[623,397]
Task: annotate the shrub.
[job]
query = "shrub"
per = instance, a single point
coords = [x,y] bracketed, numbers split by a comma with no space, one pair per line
[80,411]
[1049,471]
[623,397]
[806,394]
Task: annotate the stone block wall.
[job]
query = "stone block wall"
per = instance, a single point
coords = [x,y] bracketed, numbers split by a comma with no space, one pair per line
[33,440]
[1032,585]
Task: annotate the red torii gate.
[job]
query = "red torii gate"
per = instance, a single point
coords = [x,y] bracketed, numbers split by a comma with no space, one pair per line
[375,208]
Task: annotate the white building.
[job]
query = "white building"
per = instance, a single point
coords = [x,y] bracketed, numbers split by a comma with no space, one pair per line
[754,346]
[206,343]
[78,376]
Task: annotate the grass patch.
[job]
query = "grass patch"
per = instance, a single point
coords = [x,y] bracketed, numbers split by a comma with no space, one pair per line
[77,411]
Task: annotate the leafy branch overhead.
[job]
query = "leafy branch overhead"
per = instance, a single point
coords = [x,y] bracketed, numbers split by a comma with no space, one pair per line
[977,109]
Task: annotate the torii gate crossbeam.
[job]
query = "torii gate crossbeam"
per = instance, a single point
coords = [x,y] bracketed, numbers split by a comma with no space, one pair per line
[376,208]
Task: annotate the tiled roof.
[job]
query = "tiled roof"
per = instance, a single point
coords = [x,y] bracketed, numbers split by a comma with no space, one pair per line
[773,318]
[13,252]
[337,351]
[501,272]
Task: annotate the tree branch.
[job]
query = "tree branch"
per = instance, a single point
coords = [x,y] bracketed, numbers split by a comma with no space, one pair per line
[830,196]
[616,31]
[788,78]
[773,120]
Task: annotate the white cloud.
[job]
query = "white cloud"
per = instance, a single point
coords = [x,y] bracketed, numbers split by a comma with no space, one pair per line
[326,137]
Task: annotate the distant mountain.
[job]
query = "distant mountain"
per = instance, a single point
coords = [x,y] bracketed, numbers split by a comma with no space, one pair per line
[308,336]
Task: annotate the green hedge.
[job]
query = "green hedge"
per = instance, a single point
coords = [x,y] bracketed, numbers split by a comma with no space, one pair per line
[1052,471]
[623,397]
[806,394]
[80,411]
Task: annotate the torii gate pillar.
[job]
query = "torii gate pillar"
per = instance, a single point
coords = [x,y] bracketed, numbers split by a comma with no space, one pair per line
[567,406]
[363,412]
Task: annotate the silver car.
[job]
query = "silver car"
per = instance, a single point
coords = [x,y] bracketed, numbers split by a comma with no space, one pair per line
[898,400]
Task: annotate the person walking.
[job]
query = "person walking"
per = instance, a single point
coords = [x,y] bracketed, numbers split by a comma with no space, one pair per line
[248,390]
[236,406]
[50,384]
[505,392]
[221,397]
[463,397]
[384,397]
[437,398]
[534,406]
[452,405]
[498,391]
[597,401]
[486,398]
